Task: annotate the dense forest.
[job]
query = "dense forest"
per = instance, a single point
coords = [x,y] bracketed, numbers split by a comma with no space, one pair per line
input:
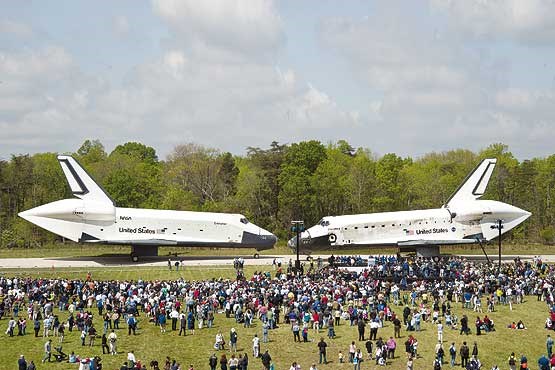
[275,185]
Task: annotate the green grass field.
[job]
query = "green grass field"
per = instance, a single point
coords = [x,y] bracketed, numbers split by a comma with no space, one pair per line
[150,344]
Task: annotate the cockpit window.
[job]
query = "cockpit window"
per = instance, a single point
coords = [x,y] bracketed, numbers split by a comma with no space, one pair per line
[244,220]
[324,223]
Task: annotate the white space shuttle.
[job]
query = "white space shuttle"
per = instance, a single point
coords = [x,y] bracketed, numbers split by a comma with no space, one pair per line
[92,217]
[462,220]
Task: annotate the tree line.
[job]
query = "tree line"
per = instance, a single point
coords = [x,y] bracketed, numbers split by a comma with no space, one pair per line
[272,186]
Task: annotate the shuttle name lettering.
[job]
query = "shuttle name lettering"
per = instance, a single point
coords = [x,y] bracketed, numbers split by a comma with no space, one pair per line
[431,231]
[140,230]
[125,218]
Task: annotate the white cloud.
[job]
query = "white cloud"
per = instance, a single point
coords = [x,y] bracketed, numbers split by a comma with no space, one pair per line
[389,54]
[214,79]
[35,63]
[202,92]
[121,25]
[244,26]
[429,90]
[16,29]
[527,21]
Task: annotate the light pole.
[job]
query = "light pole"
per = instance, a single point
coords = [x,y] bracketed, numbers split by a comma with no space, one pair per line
[298,227]
[499,227]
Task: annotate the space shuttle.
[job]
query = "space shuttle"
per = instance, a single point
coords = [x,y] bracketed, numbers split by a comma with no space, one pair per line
[92,217]
[463,219]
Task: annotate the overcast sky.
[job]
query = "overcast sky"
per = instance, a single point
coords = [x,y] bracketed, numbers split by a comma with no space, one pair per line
[408,77]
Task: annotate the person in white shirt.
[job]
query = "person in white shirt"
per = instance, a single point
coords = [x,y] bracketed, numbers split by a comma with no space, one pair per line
[295,366]
[174,315]
[112,338]
[255,346]
[233,362]
[11,327]
[131,359]
[313,367]
[439,332]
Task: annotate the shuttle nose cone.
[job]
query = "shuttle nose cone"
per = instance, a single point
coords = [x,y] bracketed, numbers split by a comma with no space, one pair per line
[518,214]
[270,239]
[259,241]
[292,243]
[304,240]
[27,214]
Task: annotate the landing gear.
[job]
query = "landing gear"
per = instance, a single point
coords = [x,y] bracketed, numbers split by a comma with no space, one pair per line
[134,257]
[427,251]
[143,251]
[256,256]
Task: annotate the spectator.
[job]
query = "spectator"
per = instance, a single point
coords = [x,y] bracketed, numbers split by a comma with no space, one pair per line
[452,354]
[47,351]
[465,355]
[256,346]
[213,361]
[21,363]
[322,345]
[233,340]
[512,361]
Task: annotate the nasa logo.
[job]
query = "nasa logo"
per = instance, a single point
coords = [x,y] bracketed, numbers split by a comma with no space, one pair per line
[453,229]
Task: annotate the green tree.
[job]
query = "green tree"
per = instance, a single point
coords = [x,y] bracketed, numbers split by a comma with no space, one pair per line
[176,198]
[267,164]
[545,184]
[361,182]
[330,181]
[197,169]
[143,153]
[296,194]
[91,151]
[390,189]
[228,174]
[131,179]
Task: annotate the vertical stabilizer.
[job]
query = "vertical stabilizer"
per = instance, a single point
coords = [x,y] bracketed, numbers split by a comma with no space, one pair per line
[81,183]
[475,184]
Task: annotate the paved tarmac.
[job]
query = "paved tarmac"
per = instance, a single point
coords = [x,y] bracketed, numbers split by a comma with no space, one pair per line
[118,261]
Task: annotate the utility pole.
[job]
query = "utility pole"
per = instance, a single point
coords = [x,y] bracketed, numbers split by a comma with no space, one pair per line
[298,227]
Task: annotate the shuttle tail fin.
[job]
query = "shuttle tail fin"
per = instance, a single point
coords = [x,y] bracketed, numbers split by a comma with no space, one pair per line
[81,183]
[475,184]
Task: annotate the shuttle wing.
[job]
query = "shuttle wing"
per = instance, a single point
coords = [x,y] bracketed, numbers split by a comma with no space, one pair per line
[414,243]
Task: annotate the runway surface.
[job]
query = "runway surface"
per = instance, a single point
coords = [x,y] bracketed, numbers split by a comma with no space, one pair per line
[118,261]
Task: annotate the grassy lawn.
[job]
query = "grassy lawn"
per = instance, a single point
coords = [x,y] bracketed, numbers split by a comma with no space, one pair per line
[77,250]
[134,273]
[150,344]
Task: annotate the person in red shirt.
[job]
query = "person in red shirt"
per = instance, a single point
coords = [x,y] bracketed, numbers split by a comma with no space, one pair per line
[315,321]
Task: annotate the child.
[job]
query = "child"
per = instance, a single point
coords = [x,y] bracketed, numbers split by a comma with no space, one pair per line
[415,348]
[340,357]
[305,334]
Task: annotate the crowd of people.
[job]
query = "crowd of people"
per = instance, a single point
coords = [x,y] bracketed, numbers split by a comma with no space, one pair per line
[425,288]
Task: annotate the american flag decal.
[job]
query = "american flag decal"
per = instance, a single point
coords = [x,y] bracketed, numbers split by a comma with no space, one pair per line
[409,232]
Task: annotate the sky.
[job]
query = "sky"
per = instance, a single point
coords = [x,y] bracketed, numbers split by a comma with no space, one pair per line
[408,77]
